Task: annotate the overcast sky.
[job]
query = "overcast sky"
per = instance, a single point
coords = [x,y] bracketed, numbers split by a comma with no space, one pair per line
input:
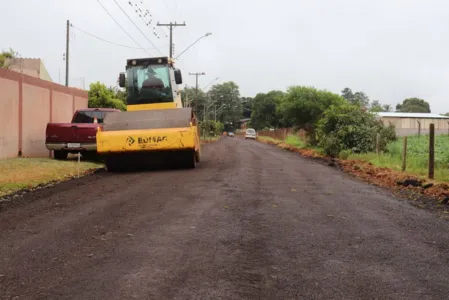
[390,49]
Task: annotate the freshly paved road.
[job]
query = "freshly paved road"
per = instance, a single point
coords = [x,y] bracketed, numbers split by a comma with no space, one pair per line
[251,222]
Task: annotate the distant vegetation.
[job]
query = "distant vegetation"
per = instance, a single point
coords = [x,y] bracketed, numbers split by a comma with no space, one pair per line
[413,105]
[333,122]
[5,55]
[102,96]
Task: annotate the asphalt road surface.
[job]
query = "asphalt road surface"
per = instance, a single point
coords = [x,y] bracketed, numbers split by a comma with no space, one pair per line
[251,222]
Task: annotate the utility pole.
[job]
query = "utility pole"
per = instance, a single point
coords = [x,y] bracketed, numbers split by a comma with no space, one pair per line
[196,89]
[170,26]
[67,54]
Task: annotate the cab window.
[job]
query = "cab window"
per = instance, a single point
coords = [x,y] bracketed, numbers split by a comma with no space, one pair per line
[88,117]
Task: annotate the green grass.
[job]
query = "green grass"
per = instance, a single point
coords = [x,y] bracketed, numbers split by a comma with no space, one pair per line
[268,138]
[291,140]
[19,173]
[417,156]
[210,138]
[295,141]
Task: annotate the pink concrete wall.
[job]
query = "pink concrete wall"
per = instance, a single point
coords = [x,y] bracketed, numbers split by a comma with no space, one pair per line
[34,124]
[80,102]
[9,117]
[27,104]
[62,107]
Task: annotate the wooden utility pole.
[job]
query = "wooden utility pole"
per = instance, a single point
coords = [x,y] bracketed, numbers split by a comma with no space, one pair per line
[432,151]
[404,154]
[419,129]
[378,144]
[170,26]
[196,90]
[67,54]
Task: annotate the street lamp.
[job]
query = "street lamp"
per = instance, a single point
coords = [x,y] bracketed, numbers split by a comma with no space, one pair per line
[207,34]
[206,107]
[218,111]
[212,81]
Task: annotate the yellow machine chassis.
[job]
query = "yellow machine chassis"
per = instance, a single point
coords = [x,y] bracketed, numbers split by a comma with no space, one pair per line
[148,140]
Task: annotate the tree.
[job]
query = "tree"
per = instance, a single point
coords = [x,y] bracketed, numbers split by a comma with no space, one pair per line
[226,96]
[376,106]
[361,99]
[302,107]
[348,95]
[266,110]
[119,94]
[247,103]
[387,107]
[190,98]
[5,55]
[413,105]
[101,96]
[358,98]
[348,127]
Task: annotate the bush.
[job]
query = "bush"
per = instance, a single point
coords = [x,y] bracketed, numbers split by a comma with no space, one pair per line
[302,107]
[355,129]
[211,128]
[387,135]
[331,146]
[344,154]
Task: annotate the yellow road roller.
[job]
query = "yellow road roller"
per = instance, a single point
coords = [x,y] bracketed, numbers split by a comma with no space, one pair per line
[156,130]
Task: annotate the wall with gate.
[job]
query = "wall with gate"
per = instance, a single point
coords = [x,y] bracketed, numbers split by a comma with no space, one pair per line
[27,104]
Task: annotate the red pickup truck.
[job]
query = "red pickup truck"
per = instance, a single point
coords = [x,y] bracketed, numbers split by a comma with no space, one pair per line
[77,136]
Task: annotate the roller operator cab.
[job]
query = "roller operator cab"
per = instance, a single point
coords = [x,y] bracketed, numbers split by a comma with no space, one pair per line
[155,130]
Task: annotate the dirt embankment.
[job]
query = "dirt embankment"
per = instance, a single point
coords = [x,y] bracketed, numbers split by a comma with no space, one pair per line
[430,194]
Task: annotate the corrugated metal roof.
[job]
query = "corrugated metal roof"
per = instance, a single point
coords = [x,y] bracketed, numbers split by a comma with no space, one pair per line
[411,115]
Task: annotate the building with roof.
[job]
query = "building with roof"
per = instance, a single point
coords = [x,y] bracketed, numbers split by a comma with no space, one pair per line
[29,66]
[407,124]
[242,123]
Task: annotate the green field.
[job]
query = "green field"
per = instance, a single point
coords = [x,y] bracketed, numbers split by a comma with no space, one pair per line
[417,156]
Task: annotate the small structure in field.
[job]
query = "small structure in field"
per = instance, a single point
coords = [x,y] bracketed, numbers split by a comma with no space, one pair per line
[407,124]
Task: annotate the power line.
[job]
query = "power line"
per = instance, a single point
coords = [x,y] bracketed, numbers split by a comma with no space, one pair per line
[169,10]
[171,25]
[137,26]
[101,39]
[122,27]
[145,15]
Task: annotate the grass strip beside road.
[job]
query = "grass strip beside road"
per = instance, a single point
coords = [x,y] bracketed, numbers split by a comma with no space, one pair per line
[210,139]
[21,173]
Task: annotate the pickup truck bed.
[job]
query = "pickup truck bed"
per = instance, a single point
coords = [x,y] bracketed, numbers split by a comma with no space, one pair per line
[77,136]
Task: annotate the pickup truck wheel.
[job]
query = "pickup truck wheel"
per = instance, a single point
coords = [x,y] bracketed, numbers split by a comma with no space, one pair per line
[60,155]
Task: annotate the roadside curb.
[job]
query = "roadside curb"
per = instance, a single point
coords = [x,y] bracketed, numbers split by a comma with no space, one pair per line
[423,194]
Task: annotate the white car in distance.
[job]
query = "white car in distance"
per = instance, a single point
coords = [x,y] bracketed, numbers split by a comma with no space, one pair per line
[250,134]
